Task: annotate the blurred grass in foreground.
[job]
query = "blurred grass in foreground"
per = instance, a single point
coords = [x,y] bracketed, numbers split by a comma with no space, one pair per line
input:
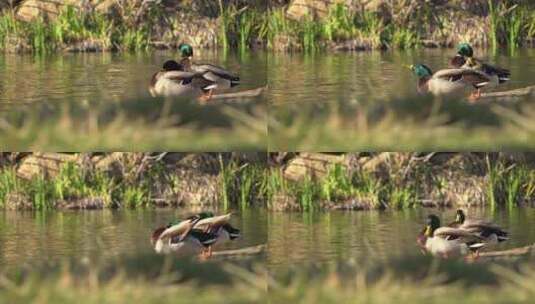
[136,279]
[156,279]
[420,124]
[135,125]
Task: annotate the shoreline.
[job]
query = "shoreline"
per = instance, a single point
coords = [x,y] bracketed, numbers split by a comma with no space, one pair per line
[285,27]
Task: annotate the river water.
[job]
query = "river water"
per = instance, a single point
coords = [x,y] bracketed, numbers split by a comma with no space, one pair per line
[33,237]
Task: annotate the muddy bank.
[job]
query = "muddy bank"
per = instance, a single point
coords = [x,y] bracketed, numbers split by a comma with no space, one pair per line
[119,179]
[363,181]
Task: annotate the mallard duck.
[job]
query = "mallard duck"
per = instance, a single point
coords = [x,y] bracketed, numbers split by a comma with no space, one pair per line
[177,238]
[173,80]
[447,81]
[465,59]
[222,77]
[490,232]
[210,230]
[447,241]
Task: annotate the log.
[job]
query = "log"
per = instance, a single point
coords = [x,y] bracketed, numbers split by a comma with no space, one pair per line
[242,251]
[515,252]
[511,94]
[241,94]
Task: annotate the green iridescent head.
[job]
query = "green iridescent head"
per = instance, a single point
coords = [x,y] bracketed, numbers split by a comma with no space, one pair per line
[186,50]
[421,70]
[432,224]
[464,49]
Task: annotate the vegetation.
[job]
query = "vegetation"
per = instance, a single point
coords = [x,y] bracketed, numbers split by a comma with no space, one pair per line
[153,279]
[131,27]
[135,125]
[242,185]
[510,186]
[144,278]
[415,124]
[396,181]
[510,24]
[134,25]
[410,279]
[74,183]
[406,180]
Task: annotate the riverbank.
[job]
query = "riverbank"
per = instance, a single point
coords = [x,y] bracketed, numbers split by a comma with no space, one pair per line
[39,181]
[367,25]
[280,181]
[298,25]
[97,26]
[363,181]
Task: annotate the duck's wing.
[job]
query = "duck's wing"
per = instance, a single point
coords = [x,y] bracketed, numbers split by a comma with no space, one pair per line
[205,238]
[211,71]
[484,228]
[214,221]
[468,76]
[177,230]
[503,74]
[195,79]
[450,233]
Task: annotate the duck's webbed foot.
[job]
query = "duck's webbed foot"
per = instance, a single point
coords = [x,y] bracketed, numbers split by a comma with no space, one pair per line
[474,96]
[206,96]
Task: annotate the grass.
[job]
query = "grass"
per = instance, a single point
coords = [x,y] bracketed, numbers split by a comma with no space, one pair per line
[415,124]
[144,278]
[154,279]
[409,280]
[338,187]
[509,24]
[135,125]
[510,186]
[73,183]
[402,181]
[242,186]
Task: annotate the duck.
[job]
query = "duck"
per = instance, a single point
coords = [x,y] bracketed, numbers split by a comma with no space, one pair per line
[447,242]
[208,230]
[223,78]
[177,238]
[464,58]
[447,82]
[490,232]
[172,81]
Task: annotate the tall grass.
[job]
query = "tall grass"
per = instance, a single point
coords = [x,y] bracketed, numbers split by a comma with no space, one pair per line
[510,186]
[242,185]
[73,183]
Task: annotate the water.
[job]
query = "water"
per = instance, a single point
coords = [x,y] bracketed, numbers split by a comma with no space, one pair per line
[297,239]
[44,236]
[293,239]
[364,77]
[104,77]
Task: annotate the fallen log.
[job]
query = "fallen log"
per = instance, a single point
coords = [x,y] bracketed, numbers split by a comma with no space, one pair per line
[242,251]
[509,253]
[241,94]
[511,94]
